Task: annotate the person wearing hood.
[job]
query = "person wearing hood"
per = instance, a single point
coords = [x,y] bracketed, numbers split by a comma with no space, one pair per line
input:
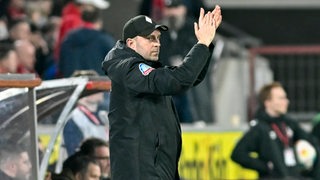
[85,48]
[273,137]
[145,134]
[71,18]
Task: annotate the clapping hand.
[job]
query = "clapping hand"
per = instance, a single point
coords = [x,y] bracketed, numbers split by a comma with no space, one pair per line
[207,25]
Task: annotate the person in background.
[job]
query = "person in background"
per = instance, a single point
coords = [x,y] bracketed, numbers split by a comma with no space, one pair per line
[45,64]
[18,29]
[273,137]
[175,44]
[79,167]
[26,53]
[85,47]
[41,48]
[8,58]
[14,162]
[145,133]
[16,9]
[194,104]
[71,18]
[98,149]
[84,121]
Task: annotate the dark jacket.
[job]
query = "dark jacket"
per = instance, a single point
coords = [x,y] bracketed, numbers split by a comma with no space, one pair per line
[84,49]
[145,135]
[262,139]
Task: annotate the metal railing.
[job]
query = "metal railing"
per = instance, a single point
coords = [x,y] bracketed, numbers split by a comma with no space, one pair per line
[297,68]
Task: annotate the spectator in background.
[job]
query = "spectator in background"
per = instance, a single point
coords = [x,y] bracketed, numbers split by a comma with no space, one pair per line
[8,58]
[175,44]
[50,31]
[26,53]
[41,49]
[48,68]
[42,27]
[16,9]
[71,18]
[19,29]
[196,103]
[85,48]
[79,167]
[84,121]
[273,136]
[14,162]
[38,12]
[98,149]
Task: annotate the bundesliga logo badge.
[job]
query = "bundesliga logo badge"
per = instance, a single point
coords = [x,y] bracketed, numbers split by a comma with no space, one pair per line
[145,69]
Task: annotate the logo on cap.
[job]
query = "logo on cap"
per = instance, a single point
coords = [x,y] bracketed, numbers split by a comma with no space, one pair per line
[148,19]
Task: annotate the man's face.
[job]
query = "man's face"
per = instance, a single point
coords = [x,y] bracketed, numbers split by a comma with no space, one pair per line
[93,173]
[11,62]
[278,102]
[102,156]
[23,166]
[26,53]
[21,31]
[148,47]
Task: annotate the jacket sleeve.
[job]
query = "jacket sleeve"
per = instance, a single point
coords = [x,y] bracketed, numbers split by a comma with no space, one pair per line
[206,67]
[242,153]
[168,80]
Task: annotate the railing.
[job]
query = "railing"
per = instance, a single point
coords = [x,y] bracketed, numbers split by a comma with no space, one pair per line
[25,100]
[297,68]
[20,125]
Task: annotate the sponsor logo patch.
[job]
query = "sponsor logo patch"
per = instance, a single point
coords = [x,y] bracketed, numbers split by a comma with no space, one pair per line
[145,69]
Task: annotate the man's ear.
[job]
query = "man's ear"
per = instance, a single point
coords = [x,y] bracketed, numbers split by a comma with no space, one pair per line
[11,166]
[131,43]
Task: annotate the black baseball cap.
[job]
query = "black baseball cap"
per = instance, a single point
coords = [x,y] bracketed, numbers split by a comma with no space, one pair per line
[140,26]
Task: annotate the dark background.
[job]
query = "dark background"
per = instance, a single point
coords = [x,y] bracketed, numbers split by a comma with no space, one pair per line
[270,25]
[277,26]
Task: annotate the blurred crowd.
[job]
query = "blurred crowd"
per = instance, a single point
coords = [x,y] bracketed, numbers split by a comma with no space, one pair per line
[28,30]
[32,33]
